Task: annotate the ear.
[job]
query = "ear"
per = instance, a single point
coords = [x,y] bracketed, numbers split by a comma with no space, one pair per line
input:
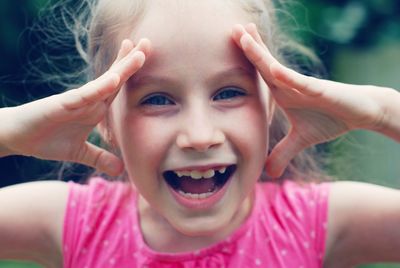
[269,101]
[270,109]
[101,129]
[105,131]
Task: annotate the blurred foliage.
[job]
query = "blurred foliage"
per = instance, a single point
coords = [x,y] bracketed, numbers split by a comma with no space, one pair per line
[358,42]
[12,264]
[331,25]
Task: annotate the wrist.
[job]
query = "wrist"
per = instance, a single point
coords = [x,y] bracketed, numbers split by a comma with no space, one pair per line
[6,119]
[389,123]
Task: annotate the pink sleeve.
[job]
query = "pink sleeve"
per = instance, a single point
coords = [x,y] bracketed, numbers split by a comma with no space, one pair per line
[85,206]
[310,204]
[91,212]
[295,220]
[73,220]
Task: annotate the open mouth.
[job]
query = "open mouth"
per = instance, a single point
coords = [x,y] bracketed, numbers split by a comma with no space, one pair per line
[199,184]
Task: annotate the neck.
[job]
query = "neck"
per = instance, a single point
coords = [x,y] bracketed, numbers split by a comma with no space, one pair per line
[160,236]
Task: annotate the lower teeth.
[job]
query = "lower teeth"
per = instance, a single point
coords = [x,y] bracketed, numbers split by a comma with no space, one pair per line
[197,196]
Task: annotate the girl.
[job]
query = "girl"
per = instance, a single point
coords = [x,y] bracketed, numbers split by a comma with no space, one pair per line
[189,105]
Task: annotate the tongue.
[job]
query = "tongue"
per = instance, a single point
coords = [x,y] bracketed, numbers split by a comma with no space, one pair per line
[197,186]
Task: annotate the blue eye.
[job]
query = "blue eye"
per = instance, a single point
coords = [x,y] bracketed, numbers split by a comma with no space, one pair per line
[228,93]
[157,100]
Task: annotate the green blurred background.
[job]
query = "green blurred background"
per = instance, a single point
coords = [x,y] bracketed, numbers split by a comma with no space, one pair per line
[358,41]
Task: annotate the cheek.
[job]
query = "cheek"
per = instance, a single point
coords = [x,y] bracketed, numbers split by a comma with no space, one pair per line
[144,141]
[250,132]
[249,138]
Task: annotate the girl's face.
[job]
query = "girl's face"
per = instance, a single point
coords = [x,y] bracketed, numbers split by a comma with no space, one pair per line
[191,125]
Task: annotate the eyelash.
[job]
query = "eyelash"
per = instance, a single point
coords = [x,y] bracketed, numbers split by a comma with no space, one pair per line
[230,93]
[155,100]
[225,94]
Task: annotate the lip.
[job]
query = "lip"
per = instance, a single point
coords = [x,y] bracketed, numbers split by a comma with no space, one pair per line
[202,168]
[203,203]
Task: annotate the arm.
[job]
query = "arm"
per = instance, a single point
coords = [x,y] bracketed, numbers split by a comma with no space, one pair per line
[364,219]
[363,225]
[31,220]
[6,116]
[390,123]
[56,128]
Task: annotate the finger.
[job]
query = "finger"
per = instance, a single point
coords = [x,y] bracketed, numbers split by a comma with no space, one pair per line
[100,159]
[275,71]
[237,32]
[107,85]
[133,61]
[282,154]
[251,28]
[307,85]
[258,55]
[141,51]
[285,95]
[91,92]
[254,49]
[126,47]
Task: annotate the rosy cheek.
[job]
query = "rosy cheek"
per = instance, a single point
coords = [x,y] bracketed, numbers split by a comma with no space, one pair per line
[249,128]
[149,132]
[146,140]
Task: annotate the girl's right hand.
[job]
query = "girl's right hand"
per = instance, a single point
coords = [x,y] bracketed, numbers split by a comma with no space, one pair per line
[57,127]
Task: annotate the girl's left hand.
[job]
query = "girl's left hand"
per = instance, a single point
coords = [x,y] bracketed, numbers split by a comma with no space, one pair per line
[318,110]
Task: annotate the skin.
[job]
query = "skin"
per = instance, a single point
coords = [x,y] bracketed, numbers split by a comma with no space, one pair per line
[193,128]
[64,119]
[355,218]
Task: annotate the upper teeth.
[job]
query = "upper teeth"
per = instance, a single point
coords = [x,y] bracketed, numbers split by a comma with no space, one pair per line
[195,174]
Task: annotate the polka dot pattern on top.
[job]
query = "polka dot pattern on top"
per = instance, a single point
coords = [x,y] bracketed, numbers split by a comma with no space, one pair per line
[287,228]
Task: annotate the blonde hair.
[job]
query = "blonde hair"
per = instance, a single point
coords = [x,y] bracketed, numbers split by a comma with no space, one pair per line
[97,26]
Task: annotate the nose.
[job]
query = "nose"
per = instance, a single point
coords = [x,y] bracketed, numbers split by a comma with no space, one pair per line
[200,132]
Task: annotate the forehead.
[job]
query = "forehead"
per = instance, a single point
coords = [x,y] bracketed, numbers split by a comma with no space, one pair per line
[191,32]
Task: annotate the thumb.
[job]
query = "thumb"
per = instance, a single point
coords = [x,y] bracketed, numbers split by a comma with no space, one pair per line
[283,153]
[100,159]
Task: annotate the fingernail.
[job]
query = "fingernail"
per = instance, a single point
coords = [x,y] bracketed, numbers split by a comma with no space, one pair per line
[126,44]
[140,56]
[145,46]
[241,27]
[271,171]
[252,25]
[115,168]
[245,39]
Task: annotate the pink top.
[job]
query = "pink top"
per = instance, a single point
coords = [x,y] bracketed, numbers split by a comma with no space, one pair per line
[287,228]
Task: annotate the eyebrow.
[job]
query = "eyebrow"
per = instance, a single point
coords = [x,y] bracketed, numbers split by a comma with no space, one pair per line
[233,72]
[142,80]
